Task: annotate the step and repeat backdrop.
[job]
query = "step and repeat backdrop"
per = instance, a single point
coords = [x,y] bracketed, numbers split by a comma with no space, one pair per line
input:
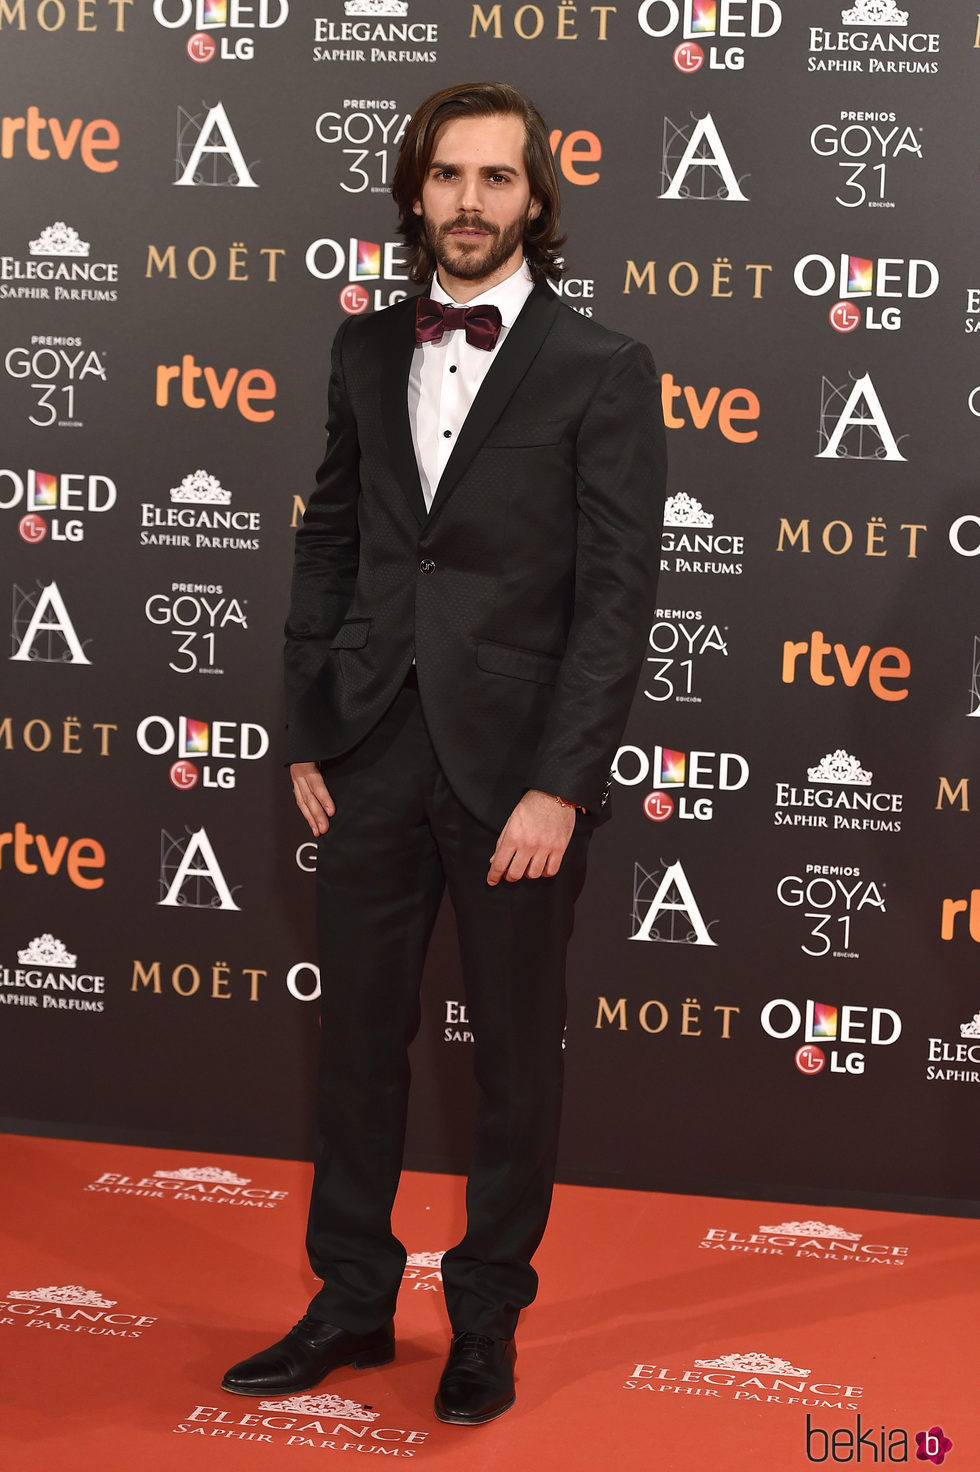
[773,982]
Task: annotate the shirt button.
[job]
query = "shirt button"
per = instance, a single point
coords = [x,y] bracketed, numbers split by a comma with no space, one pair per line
[427,565]
[452,367]
[447,434]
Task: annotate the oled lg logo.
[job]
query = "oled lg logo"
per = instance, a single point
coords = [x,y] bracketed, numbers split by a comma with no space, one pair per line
[208,16]
[855,280]
[829,1025]
[208,742]
[367,261]
[703,26]
[670,771]
[43,495]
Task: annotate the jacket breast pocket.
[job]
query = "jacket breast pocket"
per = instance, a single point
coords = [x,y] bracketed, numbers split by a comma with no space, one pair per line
[525,436]
[352,635]
[521,664]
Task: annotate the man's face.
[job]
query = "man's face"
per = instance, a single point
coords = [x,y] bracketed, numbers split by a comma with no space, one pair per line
[476,200]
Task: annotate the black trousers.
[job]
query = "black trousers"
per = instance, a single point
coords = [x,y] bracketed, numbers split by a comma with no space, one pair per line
[398,838]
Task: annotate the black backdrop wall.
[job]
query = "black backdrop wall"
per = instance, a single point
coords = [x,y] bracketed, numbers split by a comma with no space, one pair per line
[773,981]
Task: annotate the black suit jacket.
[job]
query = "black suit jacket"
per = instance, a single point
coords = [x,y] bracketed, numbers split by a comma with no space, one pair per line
[527,592]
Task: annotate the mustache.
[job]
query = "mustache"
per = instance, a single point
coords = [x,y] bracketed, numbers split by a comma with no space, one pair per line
[467,222]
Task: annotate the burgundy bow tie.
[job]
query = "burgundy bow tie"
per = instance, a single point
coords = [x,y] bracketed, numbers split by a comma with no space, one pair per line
[481,324]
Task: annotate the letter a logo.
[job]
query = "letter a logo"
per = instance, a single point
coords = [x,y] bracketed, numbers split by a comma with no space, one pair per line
[62,644]
[215,137]
[210,891]
[703,150]
[872,440]
[673,894]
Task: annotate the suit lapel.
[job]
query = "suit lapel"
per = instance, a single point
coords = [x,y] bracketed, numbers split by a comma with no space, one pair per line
[512,359]
[394,408]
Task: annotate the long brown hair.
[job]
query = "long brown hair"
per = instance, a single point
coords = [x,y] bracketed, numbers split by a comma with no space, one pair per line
[542,243]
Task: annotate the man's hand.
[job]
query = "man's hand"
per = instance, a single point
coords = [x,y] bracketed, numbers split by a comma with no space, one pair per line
[534,839]
[312,797]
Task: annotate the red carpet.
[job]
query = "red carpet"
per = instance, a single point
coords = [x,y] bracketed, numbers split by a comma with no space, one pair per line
[671,1332]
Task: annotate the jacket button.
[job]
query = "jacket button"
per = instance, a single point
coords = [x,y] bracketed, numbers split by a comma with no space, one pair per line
[427,565]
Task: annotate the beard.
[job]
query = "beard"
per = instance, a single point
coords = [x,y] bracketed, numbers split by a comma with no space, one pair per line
[472,260]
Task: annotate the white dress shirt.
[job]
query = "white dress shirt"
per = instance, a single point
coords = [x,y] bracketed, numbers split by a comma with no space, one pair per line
[446,376]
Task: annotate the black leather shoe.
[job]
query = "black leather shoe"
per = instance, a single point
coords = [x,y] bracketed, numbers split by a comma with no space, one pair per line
[478,1381]
[308,1352]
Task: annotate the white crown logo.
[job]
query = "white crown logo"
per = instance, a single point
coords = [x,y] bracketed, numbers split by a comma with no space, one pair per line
[684,510]
[375,7]
[199,487]
[875,13]
[322,1405]
[814,1229]
[209,1173]
[755,1362]
[44,950]
[59,239]
[838,767]
[424,1259]
[72,1294]
[971,1029]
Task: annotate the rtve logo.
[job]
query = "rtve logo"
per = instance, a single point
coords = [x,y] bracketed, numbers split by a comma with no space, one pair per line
[97,137]
[888,664]
[970,908]
[737,403]
[77,855]
[253,384]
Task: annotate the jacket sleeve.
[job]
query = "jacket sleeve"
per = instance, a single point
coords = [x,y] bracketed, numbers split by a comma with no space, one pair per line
[326,555]
[621,465]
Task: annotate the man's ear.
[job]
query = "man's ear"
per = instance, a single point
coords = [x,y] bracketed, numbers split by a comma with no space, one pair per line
[534,209]
[416,206]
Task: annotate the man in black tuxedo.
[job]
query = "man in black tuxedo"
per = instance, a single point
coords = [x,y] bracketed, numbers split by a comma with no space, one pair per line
[474,583]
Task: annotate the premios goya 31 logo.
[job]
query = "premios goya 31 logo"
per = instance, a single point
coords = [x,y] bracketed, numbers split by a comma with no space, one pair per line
[196,615]
[54,370]
[865,145]
[831,897]
[681,641]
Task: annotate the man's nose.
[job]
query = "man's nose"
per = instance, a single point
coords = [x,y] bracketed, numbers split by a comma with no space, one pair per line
[470,196]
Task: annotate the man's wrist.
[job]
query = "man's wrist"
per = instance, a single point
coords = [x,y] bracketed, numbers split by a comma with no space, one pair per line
[564,803]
